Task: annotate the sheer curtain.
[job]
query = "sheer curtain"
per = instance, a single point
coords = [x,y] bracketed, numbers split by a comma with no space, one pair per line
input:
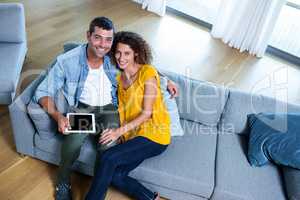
[247,24]
[156,6]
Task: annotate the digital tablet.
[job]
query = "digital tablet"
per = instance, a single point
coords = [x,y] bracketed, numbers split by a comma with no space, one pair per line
[81,123]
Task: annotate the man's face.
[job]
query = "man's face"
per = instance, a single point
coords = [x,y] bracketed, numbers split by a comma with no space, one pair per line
[100,41]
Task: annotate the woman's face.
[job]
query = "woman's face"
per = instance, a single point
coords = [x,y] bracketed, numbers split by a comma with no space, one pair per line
[124,56]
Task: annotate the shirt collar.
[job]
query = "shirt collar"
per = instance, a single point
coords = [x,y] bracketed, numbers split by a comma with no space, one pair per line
[83,57]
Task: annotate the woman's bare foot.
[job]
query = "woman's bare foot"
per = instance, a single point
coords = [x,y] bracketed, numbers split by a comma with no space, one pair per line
[157,197]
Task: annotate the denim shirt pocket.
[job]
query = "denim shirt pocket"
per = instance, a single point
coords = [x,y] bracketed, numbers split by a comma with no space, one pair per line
[70,91]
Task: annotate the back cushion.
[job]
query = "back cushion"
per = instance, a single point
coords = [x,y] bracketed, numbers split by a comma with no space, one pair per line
[70,45]
[240,104]
[199,101]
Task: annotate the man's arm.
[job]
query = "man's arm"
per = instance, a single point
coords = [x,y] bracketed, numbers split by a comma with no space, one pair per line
[171,86]
[46,91]
[53,81]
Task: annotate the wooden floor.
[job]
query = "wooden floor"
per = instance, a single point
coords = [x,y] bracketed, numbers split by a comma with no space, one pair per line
[180,46]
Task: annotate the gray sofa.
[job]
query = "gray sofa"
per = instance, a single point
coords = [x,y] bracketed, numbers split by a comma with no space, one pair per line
[208,162]
[13,48]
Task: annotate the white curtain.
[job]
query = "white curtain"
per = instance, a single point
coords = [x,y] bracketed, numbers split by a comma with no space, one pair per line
[156,6]
[247,24]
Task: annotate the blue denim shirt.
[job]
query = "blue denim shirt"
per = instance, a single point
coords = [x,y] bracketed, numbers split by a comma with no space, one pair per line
[69,73]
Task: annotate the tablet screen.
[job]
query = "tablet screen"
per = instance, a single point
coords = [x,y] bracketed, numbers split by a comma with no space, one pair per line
[81,122]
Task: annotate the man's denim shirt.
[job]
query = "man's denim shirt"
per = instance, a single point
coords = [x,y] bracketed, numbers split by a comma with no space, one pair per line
[69,73]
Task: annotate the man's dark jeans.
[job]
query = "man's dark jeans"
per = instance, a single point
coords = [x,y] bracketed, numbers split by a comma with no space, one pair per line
[106,117]
[117,162]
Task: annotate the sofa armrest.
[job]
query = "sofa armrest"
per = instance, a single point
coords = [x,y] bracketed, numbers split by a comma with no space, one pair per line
[23,130]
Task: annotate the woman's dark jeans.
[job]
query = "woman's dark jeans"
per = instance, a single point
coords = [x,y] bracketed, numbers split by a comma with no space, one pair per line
[117,162]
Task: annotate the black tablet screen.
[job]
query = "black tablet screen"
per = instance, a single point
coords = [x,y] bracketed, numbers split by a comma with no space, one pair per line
[81,122]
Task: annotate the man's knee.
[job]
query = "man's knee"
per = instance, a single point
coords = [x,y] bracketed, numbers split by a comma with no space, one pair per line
[71,151]
[72,143]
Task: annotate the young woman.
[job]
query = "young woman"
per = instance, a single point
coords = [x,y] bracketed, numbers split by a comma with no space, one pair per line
[145,122]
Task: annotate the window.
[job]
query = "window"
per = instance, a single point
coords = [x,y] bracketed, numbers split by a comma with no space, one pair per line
[201,9]
[286,35]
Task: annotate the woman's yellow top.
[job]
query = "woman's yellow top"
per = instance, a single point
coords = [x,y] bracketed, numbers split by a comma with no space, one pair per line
[156,128]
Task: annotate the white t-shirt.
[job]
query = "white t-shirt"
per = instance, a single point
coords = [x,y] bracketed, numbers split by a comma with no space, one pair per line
[97,88]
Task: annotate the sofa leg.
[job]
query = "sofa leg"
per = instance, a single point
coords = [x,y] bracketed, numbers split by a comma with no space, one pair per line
[22,155]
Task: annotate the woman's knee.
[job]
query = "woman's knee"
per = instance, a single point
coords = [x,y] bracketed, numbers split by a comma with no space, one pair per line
[118,179]
[109,158]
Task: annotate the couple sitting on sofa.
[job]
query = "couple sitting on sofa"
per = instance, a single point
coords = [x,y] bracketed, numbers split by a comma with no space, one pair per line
[129,111]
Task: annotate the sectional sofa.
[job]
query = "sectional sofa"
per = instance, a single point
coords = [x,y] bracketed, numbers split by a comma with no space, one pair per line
[208,162]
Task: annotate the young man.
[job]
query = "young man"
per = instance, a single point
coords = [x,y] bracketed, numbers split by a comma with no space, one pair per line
[88,81]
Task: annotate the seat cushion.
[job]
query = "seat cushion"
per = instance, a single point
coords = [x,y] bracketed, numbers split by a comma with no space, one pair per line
[11,61]
[199,101]
[240,104]
[237,180]
[187,165]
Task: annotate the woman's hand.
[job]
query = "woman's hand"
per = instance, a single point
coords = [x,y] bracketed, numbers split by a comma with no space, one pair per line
[173,89]
[110,135]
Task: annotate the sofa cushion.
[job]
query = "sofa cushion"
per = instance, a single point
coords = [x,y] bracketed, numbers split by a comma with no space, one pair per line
[240,104]
[237,180]
[188,163]
[11,56]
[292,182]
[169,193]
[70,45]
[274,137]
[199,101]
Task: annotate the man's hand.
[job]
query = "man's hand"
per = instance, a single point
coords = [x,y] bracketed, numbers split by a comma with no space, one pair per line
[109,135]
[173,89]
[63,123]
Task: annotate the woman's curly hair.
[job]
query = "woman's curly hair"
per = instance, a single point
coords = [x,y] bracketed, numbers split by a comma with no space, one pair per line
[136,43]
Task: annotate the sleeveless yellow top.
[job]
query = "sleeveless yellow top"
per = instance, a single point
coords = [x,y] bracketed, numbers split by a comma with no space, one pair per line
[156,128]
